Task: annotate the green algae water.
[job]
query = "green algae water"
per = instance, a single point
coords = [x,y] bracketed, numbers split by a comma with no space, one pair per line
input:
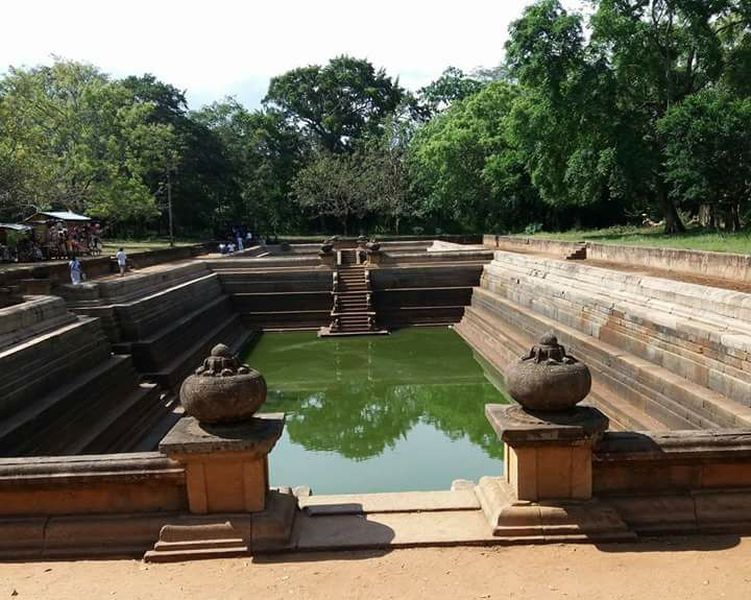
[378,413]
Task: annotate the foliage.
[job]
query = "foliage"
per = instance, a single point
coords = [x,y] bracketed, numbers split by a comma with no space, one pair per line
[453,85]
[264,153]
[79,140]
[336,104]
[465,167]
[708,149]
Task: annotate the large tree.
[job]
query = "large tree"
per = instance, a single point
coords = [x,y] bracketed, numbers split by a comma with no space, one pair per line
[265,152]
[337,104]
[466,169]
[660,52]
[80,140]
[196,165]
[708,148]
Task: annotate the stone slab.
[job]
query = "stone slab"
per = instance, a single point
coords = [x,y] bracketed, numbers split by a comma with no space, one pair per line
[359,504]
[390,530]
[255,436]
[517,426]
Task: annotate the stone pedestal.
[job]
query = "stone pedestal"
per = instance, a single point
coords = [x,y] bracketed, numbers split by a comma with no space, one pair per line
[548,455]
[232,510]
[546,491]
[226,465]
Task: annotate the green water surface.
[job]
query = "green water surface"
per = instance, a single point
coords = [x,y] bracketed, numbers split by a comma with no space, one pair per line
[378,413]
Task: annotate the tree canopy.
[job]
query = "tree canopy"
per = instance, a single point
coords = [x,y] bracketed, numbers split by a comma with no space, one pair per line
[638,109]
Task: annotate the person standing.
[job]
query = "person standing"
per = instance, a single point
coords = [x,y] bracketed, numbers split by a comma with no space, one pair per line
[122,261]
[75,270]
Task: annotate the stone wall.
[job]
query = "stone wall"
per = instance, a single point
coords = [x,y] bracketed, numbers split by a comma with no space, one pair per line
[676,482]
[58,272]
[422,294]
[531,245]
[111,505]
[712,264]
[664,354]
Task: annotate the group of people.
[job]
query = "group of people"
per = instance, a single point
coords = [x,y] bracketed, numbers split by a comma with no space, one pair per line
[237,240]
[77,275]
[63,241]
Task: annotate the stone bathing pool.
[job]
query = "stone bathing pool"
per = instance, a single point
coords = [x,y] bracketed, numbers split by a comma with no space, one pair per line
[403,412]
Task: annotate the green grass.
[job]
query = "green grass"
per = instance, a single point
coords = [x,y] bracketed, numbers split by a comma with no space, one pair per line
[695,239]
[111,246]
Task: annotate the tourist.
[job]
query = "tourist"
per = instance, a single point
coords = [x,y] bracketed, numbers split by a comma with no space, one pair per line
[76,272]
[122,261]
[239,238]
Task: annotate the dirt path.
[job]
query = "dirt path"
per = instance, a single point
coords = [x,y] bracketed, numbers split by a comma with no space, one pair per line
[677,569]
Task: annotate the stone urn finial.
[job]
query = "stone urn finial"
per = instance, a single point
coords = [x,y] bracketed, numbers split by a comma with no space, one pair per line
[547,379]
[222,389]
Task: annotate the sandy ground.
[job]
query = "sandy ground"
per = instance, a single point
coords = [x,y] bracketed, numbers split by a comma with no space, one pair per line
[680,568]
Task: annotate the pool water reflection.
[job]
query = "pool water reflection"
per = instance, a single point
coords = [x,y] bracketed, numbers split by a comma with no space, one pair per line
[378,414]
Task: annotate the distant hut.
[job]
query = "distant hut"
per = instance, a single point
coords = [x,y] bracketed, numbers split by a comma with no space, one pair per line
[10,236]
[61,233]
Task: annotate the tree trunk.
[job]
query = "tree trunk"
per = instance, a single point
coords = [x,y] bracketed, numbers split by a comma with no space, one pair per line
[673,223]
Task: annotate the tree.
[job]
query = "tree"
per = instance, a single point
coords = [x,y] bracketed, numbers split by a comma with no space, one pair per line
[83,143]
[331,185]
[660,52]
[466,169]
[335,105]
[265,153]
[451,86]
[194,163]
[708,149]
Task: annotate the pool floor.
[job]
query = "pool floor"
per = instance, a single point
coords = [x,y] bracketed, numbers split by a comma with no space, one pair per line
[378,414]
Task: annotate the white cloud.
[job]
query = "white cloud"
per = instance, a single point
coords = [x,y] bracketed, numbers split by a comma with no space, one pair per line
[212,49]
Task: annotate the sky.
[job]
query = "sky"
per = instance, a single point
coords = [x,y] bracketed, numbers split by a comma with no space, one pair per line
[219,48]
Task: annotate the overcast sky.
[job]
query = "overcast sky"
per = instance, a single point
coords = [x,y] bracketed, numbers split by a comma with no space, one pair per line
[217,48]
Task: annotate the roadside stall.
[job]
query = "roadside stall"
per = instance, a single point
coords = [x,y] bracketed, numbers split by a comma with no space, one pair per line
[15,242]
[62,234]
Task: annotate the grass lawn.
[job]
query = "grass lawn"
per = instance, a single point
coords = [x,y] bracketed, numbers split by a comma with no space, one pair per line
[111,246]
[695,239]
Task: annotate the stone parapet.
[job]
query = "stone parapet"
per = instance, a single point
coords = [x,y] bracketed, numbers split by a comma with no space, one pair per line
[735,267]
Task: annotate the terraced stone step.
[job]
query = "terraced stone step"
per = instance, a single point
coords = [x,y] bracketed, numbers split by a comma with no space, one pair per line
[678,338]
[59,418]
[653,389]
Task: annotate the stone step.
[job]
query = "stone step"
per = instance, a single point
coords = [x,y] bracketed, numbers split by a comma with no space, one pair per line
[656,340]
[27,430]
[145,426]
[650,340]
[653,386]
[118,421]
[502,343]
[39,364]
[32,317]
[229,331]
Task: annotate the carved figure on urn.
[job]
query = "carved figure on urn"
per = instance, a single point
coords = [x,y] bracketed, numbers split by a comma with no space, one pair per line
[548,379]
[222,389]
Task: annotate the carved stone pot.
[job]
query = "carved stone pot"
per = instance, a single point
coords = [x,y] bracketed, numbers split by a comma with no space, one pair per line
[223,390]
[548,379]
